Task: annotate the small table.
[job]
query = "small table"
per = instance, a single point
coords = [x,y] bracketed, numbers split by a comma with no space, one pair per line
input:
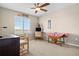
[56,36]
[39,34]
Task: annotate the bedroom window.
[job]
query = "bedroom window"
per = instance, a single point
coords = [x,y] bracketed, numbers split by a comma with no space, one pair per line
[21,25]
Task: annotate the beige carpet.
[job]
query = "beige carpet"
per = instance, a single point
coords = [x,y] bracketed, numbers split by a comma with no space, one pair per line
[43,48]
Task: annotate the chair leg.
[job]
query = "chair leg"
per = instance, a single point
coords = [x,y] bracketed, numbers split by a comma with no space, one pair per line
[63,40]
[48,40]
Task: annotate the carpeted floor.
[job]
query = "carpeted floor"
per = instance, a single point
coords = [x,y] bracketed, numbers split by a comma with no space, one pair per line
[43,48]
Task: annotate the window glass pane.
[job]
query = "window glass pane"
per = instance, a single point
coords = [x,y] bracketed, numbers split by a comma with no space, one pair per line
[18,23]
[26,24]
[21,25]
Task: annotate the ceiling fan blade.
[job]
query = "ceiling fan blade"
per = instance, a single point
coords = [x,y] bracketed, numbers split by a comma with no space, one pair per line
[38,3]
[45,4]
[36,11]
[32,8]
[44,10]
[35,4]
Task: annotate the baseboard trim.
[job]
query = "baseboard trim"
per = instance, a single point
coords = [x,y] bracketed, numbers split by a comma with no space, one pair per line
[72,44]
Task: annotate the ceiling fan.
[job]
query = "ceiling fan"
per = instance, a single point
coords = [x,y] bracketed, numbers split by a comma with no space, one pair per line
[39,7]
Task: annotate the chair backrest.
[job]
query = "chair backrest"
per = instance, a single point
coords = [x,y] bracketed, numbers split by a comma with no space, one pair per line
[23,37]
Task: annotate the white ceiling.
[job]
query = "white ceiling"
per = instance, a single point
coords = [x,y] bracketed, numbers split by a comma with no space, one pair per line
[25,7]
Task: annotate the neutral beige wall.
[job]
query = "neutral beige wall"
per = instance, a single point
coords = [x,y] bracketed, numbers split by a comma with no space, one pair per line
[34,21]
[64,20]
[0,23]
[7,19]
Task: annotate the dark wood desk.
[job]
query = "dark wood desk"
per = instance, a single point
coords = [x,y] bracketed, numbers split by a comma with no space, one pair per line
[10,46]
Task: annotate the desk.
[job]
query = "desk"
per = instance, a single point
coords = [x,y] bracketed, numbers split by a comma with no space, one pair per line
[9,46]
[56,37]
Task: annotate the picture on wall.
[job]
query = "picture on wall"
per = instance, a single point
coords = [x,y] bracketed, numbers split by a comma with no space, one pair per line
[49,24]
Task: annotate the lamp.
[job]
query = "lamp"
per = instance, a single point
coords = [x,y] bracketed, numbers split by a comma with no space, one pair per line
[38,9]
[4,28]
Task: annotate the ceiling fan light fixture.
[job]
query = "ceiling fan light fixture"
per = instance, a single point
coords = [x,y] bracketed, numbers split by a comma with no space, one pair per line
[38,9]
